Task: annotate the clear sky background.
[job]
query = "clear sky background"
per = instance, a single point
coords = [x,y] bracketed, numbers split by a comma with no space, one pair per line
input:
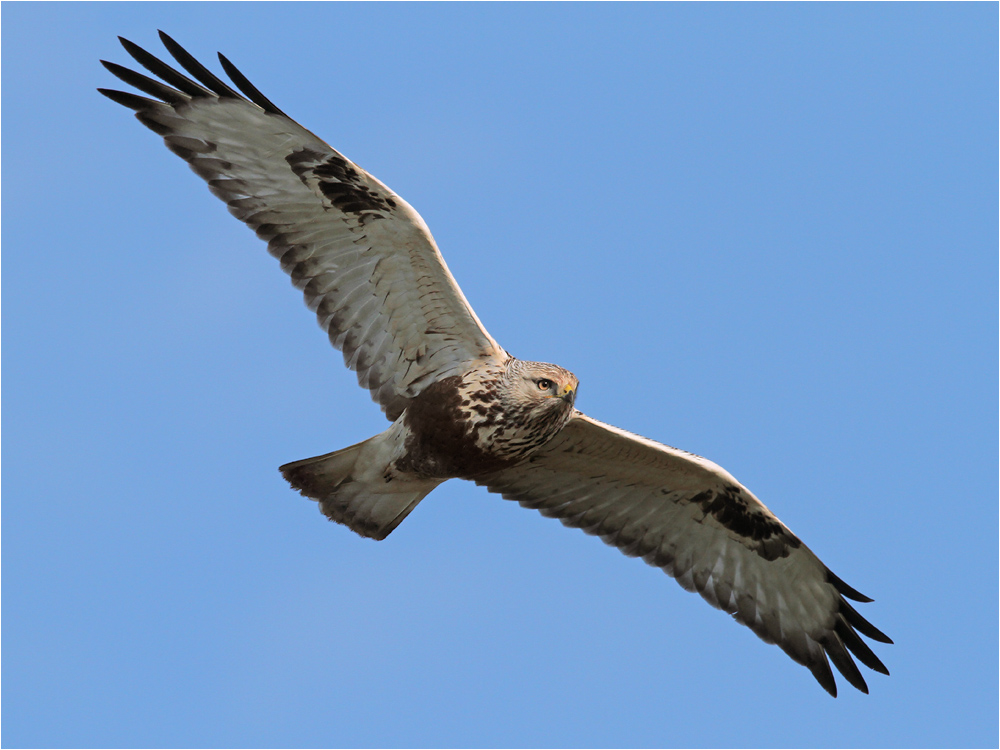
[765,234]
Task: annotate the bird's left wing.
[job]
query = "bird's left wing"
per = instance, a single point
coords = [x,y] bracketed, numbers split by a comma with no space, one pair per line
[363,258]
[690,517]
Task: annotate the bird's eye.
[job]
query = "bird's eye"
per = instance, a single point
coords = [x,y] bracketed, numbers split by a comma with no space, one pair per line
[544,384]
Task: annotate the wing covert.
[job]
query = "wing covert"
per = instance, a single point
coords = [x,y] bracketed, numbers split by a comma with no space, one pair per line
[363,258]
[690,517]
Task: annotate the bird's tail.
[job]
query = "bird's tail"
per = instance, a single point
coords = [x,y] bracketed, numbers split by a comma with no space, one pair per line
[356,492]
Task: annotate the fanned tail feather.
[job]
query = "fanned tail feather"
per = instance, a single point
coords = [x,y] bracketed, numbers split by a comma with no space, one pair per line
[348,493]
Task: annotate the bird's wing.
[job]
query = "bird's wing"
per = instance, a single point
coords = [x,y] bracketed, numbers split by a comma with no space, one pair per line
[362,256]
[690,517]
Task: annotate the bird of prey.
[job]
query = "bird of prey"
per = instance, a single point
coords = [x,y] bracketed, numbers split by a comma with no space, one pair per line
[461,406]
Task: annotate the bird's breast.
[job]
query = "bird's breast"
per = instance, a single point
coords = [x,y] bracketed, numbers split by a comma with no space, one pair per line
[459,427]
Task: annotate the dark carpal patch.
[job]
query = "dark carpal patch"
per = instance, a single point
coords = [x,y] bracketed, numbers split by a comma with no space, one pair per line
[305,161]
[341,184]
[765,535]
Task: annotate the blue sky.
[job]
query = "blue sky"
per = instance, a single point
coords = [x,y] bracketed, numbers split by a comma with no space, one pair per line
[765,234]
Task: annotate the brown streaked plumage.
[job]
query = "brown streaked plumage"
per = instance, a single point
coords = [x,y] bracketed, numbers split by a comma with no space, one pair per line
[459,405]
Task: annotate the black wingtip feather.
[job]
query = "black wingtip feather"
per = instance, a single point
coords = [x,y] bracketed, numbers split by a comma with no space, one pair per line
[842,660]
[858,647]
[859,623]
[248,88]
[160,69]
[132,101]
[145,84]
[843,588]
[195,68]
[820,669]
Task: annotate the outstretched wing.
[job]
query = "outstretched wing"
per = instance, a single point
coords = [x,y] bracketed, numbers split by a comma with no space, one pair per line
[362,256]
[690,517]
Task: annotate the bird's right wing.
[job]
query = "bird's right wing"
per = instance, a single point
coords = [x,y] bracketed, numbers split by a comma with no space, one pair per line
[690,517]
[362,256]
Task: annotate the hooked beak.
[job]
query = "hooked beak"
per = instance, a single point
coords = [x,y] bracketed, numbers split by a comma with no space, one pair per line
[568,394]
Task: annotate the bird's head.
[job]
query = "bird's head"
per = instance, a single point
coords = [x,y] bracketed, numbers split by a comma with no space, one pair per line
[542,385]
